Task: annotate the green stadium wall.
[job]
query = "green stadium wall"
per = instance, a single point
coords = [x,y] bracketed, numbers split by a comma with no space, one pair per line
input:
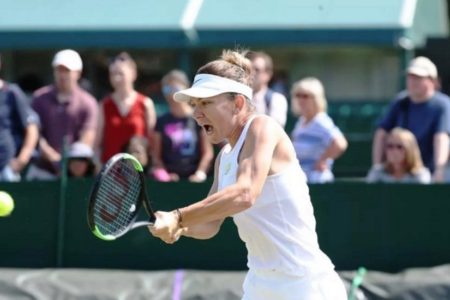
[382,227]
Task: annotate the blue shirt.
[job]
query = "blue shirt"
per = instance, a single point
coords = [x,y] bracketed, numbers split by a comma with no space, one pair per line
[423,119]
[15,115]
[310,142]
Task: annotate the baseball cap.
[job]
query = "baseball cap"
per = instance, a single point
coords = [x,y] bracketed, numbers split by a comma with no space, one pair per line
[208,85]
[423,67]
[69,59]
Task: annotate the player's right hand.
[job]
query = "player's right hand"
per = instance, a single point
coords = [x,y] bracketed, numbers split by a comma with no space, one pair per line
[166,227]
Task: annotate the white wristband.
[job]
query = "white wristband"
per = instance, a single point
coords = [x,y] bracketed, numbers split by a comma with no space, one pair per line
[200,174]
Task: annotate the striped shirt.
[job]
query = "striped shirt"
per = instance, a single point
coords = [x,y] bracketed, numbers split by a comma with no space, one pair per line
[310,142]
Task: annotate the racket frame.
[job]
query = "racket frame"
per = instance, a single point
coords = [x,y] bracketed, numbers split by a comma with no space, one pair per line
[142,198]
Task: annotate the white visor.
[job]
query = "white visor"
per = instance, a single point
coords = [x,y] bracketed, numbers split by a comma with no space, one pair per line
[207,85]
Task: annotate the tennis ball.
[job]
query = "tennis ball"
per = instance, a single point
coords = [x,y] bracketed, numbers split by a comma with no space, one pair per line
[6,204]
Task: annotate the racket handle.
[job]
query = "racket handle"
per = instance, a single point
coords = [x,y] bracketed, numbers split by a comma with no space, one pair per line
[141,223]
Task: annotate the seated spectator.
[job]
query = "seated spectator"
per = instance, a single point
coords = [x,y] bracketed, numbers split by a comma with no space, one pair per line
[317,140]
[67,114]
[80,161]
[180,146]
[126,112]
[423,110]
[19,131]
[402,160]
[138,146]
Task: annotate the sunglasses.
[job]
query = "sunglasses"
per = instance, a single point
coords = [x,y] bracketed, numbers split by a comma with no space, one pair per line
[395,146]
[168,90]
[302,95]
[259,70]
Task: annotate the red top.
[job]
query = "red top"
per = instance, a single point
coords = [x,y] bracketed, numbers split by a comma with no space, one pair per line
[119,129]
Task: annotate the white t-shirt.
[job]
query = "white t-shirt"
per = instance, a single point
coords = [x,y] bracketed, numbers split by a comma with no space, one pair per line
[278,106]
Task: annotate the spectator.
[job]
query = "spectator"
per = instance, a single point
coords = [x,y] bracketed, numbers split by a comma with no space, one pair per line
[180,146]
[138,146]
[317,140]
[266,100]
[425,112]
[68,114]
[80,161]
[402,160]
[19,131]
[126,112]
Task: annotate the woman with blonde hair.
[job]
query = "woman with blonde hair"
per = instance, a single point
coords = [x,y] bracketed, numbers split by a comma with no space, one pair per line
[259,183]
[402,160]
[317,140]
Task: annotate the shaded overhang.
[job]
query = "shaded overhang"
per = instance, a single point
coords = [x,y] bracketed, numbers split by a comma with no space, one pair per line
[210,23]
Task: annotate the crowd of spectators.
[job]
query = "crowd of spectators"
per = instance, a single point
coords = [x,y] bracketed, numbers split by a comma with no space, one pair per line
[410,144]
[425,112]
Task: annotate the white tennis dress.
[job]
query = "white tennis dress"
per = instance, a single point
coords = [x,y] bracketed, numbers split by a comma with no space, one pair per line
[284,258]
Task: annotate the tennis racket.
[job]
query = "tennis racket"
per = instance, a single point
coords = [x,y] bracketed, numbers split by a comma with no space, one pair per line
[116,198]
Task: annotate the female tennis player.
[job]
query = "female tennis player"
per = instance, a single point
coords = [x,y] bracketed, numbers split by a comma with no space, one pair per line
[258,181]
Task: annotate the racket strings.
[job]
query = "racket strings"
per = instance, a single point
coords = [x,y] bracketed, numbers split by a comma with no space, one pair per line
[117,198]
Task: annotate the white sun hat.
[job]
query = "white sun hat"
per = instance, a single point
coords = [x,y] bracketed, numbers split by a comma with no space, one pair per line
[80,150]
[69,59]
[207,85]
[423,67]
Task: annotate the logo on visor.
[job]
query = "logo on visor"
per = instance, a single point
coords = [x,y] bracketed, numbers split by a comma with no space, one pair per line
[197,80]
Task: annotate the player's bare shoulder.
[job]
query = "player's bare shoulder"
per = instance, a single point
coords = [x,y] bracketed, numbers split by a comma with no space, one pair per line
[266,126]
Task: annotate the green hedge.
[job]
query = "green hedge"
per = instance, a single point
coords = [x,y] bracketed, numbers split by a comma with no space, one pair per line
[383,227]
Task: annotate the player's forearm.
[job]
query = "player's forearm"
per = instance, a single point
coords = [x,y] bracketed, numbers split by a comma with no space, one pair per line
[203,231]
[218,206]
